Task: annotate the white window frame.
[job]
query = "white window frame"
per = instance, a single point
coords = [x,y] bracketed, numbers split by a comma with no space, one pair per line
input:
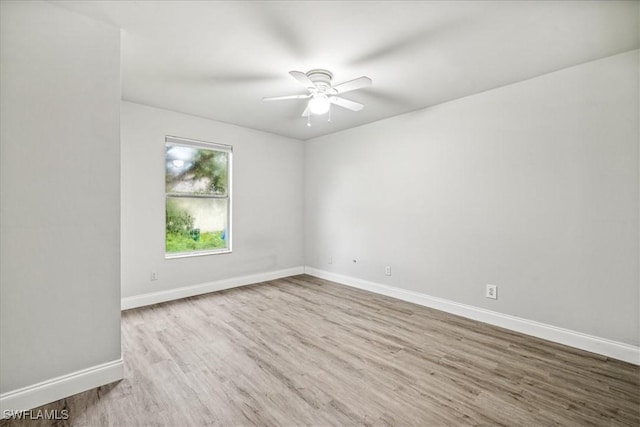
[194,143]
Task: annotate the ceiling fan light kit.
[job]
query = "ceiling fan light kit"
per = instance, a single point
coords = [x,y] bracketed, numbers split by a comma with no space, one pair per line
[319,104]
[322,94]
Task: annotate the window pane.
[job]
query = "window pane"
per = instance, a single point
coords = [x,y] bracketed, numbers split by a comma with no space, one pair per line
[196,224]
[192,170]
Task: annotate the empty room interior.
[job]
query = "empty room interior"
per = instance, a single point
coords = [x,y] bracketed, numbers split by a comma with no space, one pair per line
[283,213]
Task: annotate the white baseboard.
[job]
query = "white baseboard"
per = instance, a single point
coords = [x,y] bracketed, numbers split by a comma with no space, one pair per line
[616,350]
[58,388]
[203,288]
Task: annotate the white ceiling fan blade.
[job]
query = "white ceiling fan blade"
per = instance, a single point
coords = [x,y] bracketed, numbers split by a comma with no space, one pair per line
[303,79]
[354,84]
[346,103]
[278,98]
[306,112]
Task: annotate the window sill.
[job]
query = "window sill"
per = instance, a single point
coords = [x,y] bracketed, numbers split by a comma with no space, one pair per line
[195,254]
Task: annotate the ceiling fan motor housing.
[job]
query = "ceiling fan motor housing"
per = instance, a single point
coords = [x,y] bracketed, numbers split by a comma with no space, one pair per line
[321,78]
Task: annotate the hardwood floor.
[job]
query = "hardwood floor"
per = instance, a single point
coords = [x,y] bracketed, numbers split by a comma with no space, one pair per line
[305,351]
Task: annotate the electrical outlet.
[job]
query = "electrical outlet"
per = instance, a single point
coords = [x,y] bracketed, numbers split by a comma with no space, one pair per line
[387,270]
[154,275]
[492,292]
[330,260]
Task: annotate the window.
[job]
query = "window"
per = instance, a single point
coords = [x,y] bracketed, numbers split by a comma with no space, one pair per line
[197,197]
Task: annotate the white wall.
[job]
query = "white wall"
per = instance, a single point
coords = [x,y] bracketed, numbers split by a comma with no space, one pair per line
[60,194]
[532,187]
[267,202]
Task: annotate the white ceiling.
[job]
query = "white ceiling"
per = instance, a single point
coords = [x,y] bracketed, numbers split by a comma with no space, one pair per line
[218,59]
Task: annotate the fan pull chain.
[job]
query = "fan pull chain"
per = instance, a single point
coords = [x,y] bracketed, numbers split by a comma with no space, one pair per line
[329,119]
[309,120]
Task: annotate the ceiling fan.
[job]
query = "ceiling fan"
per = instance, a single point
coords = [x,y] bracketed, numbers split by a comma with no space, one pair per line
[322,94]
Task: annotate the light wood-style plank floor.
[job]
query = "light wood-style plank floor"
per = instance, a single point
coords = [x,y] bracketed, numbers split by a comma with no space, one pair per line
[305,351]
